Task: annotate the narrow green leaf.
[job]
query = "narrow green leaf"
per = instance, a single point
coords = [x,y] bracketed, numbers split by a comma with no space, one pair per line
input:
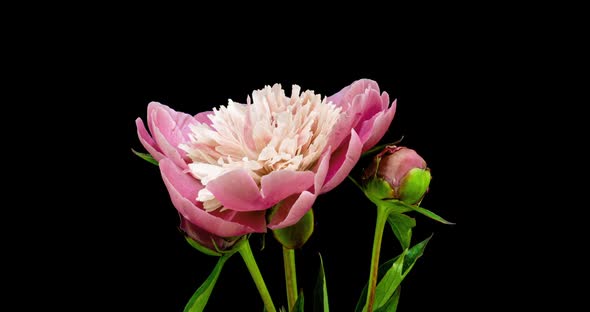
[320,292]
[387,285]
[402,228]
[145,156]
[200,298]
[382,270]
[391,304]
[411,256]
[299,304]
[425,212]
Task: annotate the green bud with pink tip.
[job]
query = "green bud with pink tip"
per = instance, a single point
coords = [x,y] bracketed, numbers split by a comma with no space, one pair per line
[397,173]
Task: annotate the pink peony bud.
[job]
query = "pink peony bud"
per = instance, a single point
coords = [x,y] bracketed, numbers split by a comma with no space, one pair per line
[398,173]
[204,241]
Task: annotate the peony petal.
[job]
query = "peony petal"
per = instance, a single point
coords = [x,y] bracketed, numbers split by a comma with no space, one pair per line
[147,141]
[347,94]
[169,151]
[279,185]
[380,126]
[322,170]
[236,190]
[342,162]
[371,104]
[358,101]
[291,210]
[170,129]
[183,190]
[203,117]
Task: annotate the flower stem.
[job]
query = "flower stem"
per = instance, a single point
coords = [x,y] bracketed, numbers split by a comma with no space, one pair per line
[246,253]
[382,213]
[290,276]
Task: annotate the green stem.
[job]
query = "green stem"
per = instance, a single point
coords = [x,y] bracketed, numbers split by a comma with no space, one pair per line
[290,276]
[382,213]
[246,253]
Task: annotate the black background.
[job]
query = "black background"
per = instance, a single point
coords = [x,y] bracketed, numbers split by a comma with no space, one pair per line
[142,256]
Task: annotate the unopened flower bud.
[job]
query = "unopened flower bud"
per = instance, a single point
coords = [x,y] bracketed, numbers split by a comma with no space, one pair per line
[204,241]
[398,173]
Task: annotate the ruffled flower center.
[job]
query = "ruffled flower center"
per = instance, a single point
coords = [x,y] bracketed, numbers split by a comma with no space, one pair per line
[271,132]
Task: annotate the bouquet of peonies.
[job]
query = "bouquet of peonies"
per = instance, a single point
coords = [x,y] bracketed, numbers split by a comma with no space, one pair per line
[244,168]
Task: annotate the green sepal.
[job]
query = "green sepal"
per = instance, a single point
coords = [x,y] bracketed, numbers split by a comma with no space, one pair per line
[414,185]
[202,248]
[296,235]
[378,189]
[145,156]
[239,240]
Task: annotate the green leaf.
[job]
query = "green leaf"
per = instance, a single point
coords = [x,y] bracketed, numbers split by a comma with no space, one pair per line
[299,304]
[402,228]
[411,256]
[391,304]
[392,205]
[145,156]
[320,292]
[200,298]
[296,235]
[380,273]
[387,285]
[425,212]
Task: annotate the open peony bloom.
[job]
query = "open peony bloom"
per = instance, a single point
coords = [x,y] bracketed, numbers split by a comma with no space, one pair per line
[225,168]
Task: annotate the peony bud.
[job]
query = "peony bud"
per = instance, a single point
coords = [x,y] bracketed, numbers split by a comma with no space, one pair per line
[204,241]
[397,173]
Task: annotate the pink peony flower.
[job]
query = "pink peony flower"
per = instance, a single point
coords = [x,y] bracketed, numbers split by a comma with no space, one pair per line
[225,168]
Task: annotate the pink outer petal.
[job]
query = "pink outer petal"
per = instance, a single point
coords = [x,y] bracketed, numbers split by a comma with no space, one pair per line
[371,104]
[236,190]
[321,171]
[342,162]
[347,94]
[292,210]
[170,129]
[147,141]
[359,101]
[279,185]
[380,126]
[203,118]
[183,191]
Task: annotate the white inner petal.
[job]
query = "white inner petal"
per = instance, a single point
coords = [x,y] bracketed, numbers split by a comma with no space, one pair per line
[272,132]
